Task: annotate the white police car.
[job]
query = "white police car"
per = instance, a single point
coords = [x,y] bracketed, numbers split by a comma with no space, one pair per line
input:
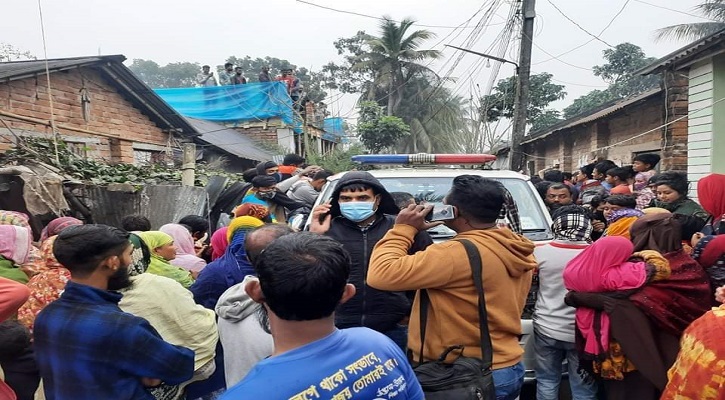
[428,177]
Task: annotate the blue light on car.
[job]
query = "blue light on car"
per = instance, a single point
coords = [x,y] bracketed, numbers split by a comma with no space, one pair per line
[381,159]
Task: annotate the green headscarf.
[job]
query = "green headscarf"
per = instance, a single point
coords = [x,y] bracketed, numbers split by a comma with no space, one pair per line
[159,265]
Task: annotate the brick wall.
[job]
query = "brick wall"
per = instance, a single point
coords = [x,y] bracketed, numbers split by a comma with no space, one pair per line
[576,146]
[675,138]
[109,112]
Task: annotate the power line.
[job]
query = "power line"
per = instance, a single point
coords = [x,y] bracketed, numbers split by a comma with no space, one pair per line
[559,59]
[677,11]
[382,19]
[579,84]
[611,21]
[577,25]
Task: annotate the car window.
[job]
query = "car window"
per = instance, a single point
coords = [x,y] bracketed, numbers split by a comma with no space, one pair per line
[433,190]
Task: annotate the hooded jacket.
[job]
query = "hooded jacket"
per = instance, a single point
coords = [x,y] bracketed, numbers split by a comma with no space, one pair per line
[377,309]
[444,270]
[244,341]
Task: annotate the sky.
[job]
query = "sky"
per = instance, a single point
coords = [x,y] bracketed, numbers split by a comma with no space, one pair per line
[210,31]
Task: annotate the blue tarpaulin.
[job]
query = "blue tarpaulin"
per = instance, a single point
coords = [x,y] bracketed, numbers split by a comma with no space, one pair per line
[253,101]
[334,129]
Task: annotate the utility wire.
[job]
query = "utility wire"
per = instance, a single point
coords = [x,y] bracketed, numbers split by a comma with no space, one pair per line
[677,11]
[383,19]
[577,25]
[611,21]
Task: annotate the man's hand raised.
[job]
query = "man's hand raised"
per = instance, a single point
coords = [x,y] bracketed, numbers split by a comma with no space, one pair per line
[414,216]
[321,219]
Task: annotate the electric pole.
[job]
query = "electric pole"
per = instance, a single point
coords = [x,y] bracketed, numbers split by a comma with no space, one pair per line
[521,102]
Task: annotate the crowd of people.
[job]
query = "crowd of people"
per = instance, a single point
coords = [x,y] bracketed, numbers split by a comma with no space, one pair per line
[625,285]
[234,75]
[244,306]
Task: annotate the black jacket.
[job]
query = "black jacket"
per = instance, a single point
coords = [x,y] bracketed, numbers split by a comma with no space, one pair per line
[372,308]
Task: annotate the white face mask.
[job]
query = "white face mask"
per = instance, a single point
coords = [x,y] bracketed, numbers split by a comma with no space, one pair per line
[358,211]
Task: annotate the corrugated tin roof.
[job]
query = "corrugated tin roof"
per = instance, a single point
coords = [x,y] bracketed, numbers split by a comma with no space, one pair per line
[583,119]
[229,140]
[112,68]
[683,53]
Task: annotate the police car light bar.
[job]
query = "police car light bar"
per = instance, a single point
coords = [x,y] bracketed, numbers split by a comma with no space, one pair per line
[424,159]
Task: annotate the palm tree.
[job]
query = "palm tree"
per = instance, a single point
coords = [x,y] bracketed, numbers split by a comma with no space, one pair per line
[393,55]
[435,117]
[714,10]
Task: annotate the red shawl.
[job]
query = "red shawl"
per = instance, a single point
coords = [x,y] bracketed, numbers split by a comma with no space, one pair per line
[675,302]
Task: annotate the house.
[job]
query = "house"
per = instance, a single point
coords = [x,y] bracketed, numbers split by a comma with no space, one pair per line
[103,111]
[617,131]
[261,111]
[700,68]
[98,107]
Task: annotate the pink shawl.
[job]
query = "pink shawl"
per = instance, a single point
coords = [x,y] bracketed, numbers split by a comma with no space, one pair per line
[219,243]
[185,253]
[57,225]
[15,243]
[602,267]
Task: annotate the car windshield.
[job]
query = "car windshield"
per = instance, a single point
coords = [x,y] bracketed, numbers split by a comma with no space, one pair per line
[433,190]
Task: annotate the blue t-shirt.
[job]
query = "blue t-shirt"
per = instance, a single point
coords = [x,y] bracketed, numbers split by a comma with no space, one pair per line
[355,363]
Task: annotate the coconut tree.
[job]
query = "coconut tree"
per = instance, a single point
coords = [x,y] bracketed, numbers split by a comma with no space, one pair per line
[714,10]
[393,55]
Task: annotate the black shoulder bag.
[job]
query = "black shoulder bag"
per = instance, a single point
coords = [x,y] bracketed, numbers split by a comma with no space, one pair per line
[467,377]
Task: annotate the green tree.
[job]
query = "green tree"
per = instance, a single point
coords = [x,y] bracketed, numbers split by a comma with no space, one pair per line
[393,55]
[711,9]
[618,71]
[588,102]
[9,52]
[344,77]
[500,103]
[379,132]
[172,75]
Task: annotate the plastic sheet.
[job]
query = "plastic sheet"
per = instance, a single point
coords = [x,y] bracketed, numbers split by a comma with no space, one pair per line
[252,101]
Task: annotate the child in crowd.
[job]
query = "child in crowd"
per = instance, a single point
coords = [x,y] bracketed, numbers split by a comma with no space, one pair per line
[620,212]
[644,165]
[618,178]
[672,189]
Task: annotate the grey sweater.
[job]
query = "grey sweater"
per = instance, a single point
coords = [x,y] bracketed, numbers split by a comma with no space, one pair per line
[552,317]
[245,342]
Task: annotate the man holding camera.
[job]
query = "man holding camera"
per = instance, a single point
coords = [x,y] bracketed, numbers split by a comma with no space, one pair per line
[444,270]
[358,216]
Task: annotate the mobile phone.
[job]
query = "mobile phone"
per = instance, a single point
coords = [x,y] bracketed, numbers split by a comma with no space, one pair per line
[441,212]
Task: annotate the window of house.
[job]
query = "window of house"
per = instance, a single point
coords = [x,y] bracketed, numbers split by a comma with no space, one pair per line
[79,149]
[142,157]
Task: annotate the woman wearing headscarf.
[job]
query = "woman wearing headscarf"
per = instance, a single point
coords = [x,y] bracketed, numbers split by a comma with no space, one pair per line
[15,244]
[186,257]
[711,194]
[228,270]
[34,263]
[605,266]
[171,310]
[219,243]
[45,287]
[683,297]
[162,249]
[55,226]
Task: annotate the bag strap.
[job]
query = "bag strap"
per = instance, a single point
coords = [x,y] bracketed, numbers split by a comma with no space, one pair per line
[474,260]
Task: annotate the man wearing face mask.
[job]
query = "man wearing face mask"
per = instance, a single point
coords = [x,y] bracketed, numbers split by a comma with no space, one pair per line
[360,213]
[265,192]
